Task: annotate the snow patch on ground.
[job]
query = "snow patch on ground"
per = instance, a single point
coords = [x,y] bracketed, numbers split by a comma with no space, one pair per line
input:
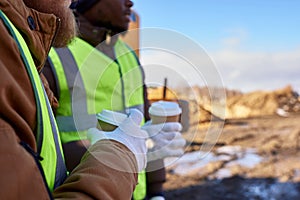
[219,162]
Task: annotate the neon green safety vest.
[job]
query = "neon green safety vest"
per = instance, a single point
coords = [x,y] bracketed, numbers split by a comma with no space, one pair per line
[48,140]
[89,82]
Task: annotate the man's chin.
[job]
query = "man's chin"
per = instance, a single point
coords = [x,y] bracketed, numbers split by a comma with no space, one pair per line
[63,40]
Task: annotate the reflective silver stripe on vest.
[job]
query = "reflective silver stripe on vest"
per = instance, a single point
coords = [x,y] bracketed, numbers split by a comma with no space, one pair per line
[67,59]
[68,123]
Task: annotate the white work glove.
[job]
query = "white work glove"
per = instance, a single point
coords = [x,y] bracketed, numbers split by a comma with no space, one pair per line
[157,198]
[165,140]
[129,134]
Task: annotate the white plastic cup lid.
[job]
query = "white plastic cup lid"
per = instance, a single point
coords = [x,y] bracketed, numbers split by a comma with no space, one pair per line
[164,108]
[111,117]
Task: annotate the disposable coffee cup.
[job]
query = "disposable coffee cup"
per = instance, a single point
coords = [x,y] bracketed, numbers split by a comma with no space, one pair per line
[164,111]
[109,120]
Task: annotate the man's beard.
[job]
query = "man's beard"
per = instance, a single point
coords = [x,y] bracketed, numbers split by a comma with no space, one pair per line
[68,29]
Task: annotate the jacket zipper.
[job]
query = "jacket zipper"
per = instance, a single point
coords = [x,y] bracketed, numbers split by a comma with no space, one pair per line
[37,159]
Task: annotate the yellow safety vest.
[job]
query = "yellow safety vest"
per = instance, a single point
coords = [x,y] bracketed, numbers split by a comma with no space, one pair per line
[48,140]
[89,82]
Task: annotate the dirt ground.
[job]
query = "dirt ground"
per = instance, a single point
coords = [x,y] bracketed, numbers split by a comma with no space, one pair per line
[275,139]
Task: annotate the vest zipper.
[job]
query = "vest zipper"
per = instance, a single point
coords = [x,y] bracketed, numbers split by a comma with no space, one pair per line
[37,158]
[122,88]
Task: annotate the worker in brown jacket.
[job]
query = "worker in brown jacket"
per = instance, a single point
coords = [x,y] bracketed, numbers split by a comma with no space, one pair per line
[31,160]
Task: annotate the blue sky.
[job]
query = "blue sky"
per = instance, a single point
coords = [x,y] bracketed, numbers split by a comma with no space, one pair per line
[255,44]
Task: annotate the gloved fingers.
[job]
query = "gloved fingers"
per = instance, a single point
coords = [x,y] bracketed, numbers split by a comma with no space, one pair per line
[172,126]
[164,139]
[157,198]
[157,143]
[173,152]
[178,135]
[152,129]
[135,115]
[164,153]
[165,136]
[130,126]
[157,129]
[177,143]
[93,131]
[94,135]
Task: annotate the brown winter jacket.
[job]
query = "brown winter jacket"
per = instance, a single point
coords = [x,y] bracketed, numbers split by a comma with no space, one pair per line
[20,176]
